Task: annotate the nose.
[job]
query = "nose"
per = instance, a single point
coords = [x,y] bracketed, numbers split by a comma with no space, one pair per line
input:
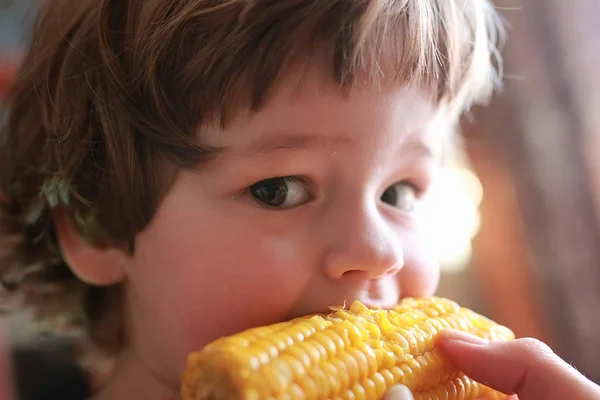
[363,247]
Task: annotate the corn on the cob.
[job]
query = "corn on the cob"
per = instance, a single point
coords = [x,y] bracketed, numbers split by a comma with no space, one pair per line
[348,354]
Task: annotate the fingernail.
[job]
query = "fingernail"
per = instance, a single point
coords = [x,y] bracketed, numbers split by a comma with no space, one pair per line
[460,336]
[399,392]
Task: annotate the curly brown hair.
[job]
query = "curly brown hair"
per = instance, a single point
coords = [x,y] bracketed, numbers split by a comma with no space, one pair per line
[104,109]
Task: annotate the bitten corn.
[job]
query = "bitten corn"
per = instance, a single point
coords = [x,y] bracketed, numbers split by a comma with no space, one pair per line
[348,354]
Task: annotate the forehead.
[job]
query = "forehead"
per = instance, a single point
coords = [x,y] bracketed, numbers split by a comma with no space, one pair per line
[305,103]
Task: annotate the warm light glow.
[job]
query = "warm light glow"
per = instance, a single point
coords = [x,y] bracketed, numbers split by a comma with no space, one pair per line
[452,216]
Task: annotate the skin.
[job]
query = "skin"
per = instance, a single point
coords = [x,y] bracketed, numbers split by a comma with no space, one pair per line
[524,369]
[215,261]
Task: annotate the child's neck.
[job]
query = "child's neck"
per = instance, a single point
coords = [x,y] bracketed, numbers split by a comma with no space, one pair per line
[131,379]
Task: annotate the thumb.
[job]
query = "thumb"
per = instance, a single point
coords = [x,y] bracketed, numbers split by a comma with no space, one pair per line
[526,367]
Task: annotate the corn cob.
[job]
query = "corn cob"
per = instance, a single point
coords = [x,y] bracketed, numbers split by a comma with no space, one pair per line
[348,354]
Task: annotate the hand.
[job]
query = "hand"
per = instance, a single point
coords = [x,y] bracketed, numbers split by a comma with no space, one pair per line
[524,367]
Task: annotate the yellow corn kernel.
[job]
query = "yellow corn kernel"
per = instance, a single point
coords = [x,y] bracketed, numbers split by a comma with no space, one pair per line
[355,353]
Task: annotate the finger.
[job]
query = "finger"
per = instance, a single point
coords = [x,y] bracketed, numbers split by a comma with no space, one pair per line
[526,367]
[398,392]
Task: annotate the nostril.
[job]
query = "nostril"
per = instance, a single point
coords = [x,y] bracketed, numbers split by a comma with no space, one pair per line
[356,274]
[359,274]
[393,270]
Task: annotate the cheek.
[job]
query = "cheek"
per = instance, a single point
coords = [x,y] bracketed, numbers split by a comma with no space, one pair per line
[421,273]
[211,276]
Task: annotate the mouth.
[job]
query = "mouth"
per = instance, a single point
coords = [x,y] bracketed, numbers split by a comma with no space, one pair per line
[382,294]
[369,302]
[378,305]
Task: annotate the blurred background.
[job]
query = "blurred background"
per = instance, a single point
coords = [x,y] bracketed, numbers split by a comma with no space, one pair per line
[517,208]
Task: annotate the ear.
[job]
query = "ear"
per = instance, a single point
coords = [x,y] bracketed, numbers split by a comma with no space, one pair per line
[95,265]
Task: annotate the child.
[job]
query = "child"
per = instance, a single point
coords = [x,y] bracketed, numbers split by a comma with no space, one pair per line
[177,171]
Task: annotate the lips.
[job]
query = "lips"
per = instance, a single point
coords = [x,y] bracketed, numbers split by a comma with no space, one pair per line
[375,300]
[379,305]
[382,293]
[378,294]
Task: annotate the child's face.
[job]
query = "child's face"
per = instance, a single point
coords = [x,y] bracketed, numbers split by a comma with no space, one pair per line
[311,204]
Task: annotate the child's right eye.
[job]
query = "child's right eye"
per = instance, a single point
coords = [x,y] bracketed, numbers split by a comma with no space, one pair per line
[280,193]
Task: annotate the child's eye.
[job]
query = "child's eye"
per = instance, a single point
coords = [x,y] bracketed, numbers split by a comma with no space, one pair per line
[401,195]
[282,193]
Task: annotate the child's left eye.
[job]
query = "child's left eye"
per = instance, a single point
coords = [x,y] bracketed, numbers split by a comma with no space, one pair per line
[280,193]
[401,195]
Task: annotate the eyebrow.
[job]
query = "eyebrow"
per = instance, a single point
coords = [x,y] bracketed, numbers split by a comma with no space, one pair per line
[297,141]
[288,141]
[302,141]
